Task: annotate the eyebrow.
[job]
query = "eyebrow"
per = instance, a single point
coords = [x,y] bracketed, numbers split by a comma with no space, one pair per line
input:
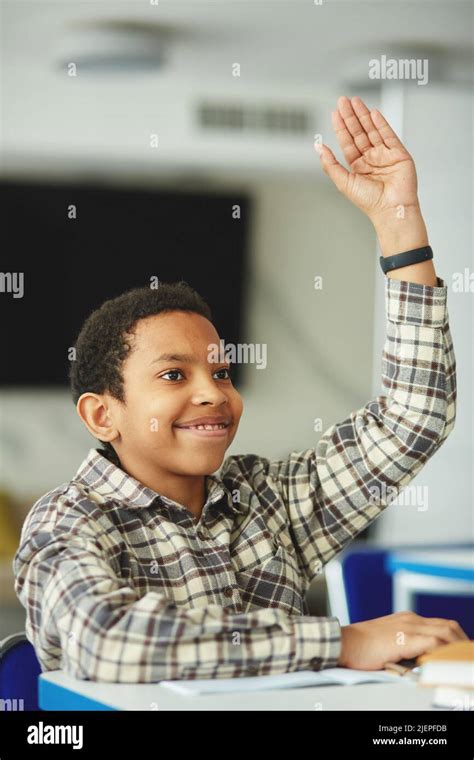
[187,358]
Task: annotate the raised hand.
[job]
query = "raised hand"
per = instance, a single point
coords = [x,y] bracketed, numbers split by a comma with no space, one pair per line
[382,175]
[381,181]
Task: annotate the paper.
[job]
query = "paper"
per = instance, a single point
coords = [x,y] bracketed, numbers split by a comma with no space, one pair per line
[301,678]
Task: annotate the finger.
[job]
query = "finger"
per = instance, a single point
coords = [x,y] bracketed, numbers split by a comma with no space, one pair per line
[452,623]
[360,135]
[419,644]
[366,120]
[444,632]
[333,168]
[384,129]
[344,138]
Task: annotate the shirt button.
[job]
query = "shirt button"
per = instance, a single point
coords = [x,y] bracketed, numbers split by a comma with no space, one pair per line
[228,591]
[316,662]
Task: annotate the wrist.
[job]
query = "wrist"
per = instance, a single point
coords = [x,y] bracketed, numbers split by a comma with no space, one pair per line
[400,229]
[342,662]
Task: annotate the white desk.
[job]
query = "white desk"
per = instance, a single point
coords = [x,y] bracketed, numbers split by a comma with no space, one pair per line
[59,691]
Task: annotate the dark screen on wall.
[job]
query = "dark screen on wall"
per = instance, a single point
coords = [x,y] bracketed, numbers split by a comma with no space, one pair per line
[119,239]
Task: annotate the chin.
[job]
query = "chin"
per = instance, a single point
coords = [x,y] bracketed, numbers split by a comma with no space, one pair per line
[206,465]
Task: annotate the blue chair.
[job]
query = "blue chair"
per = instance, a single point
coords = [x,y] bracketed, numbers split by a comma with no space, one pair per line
[359,587]
[19,671]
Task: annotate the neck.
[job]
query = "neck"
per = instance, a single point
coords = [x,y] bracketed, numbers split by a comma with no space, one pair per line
[187,490]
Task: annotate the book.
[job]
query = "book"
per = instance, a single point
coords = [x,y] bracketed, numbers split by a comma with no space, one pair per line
[297,679]
[453,699]
[450,665]
[449,669]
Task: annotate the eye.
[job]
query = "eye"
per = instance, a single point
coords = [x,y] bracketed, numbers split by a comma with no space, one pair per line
[229,371]
[172,372]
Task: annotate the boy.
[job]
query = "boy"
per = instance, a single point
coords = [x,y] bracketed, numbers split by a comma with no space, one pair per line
[146,566]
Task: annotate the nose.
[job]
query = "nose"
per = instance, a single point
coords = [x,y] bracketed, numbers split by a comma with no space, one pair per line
[207,392]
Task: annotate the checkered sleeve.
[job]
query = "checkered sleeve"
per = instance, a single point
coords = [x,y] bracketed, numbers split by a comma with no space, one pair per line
[336,489]
[80,610]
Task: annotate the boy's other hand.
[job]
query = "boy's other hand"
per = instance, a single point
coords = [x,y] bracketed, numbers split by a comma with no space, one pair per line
[404,635]
[382,174]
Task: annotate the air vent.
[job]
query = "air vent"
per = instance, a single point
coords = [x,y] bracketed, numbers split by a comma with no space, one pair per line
[240,118]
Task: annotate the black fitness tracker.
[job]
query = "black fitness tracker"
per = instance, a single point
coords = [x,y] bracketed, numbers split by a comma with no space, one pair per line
[417,255]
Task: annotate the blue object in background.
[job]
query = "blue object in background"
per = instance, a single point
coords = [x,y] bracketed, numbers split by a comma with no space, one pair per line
[460,608]
[19,671]
[360,587]
[368,585]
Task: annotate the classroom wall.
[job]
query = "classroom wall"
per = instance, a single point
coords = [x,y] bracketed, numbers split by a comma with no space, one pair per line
[319,342]
[436,125]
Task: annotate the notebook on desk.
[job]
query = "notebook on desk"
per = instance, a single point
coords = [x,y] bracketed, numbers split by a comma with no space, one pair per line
[298,679]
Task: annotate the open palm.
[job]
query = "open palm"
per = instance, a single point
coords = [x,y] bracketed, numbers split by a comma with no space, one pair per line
[382,175]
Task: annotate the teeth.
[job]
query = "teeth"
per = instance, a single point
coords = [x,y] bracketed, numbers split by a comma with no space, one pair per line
[207,427]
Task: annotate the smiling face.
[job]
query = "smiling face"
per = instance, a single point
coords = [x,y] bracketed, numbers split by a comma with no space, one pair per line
[165,398]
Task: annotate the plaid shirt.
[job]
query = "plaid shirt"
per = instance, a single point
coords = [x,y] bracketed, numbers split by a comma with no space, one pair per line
[121,584]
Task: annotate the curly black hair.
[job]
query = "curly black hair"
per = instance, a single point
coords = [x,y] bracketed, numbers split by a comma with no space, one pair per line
[102,344]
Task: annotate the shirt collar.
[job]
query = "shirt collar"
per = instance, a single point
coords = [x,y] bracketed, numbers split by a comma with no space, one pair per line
[104,481]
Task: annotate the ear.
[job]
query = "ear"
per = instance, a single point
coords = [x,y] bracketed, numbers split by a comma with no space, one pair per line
[97,416]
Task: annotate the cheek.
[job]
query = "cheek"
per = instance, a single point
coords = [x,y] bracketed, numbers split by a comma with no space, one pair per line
[239,402]
[153,418]
[237,406]
[159,411]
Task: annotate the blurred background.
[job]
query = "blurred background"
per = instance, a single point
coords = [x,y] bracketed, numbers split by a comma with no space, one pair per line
[176,140]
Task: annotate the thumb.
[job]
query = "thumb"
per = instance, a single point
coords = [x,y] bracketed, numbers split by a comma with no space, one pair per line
[333,168]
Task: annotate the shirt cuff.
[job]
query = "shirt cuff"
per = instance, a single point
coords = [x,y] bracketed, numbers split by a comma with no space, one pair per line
[318,642]
[416,304]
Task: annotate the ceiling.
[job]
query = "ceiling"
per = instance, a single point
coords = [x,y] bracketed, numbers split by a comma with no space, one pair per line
[283,47]
[280,40]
